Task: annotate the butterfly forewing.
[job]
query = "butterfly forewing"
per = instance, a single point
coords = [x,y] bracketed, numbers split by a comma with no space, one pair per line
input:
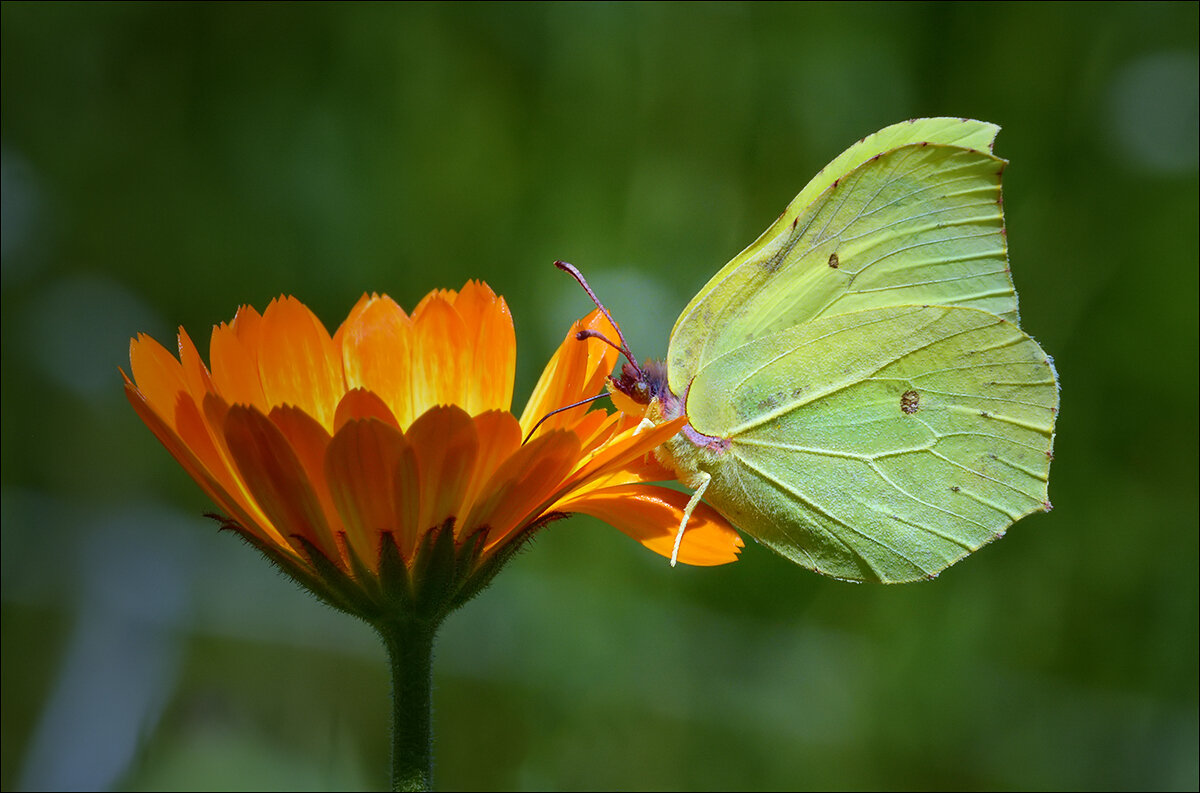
[914,225]
[882,444]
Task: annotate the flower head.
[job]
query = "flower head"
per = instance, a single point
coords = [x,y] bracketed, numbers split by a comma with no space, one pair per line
[382,467]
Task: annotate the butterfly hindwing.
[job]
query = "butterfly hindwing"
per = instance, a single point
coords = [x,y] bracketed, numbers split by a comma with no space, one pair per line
[881,444]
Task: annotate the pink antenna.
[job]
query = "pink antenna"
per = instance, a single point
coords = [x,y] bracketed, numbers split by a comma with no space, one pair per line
[623,347]
[560,410]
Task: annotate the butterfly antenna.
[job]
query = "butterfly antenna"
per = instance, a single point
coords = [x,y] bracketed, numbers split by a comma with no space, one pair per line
[560,410]
[623,347]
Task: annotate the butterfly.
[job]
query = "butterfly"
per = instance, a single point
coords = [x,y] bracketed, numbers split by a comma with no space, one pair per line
[860,396]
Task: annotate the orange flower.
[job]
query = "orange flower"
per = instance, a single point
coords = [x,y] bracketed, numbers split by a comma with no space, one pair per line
[387,451]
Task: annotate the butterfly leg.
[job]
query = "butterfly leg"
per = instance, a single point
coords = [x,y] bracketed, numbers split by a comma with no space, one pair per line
[642,426]
[704,478]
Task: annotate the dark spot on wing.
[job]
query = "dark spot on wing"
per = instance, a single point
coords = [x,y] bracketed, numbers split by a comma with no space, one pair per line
[955,488]
[910,402]
[834,262]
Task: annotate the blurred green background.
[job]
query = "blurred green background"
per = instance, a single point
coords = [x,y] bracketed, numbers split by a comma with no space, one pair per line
[164,163]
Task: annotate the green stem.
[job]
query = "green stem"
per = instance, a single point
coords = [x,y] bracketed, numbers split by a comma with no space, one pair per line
[410,650]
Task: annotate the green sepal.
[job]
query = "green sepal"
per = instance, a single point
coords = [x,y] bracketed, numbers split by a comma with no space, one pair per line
[339,583]
[433,572]
[484,572]
[468,555]
[363,575]
[394,577]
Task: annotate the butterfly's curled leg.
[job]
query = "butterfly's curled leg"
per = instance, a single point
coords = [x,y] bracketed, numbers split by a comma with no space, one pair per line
[642,426]
[704,478]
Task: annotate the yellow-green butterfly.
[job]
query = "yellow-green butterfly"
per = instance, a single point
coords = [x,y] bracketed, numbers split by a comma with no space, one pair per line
[859,393]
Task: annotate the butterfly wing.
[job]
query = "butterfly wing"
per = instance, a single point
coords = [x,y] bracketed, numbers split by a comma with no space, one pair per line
[908,216]
[881,444]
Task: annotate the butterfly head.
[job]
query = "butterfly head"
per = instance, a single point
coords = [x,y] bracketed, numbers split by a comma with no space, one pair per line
[644,391]
[639,390]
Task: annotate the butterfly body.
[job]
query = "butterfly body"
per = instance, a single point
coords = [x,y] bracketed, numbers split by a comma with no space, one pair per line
[860,396]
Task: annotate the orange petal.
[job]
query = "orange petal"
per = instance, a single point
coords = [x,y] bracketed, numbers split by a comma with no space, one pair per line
[622,452]
[195,431]
[209,483]
[651,515]
[233,350]
[524,485]
[158,374]
[446,446]
[178,449]
[309,441]
[297,362]
[406,484]
[199,382]
[576,371]
[441,358]
[359,307]
[361,465]
[493,341]
[499,438]
[648,469]
[597,427]
[212,421]
[375,344]
[601,357]
[361,404]
[444,295]
[276,479]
